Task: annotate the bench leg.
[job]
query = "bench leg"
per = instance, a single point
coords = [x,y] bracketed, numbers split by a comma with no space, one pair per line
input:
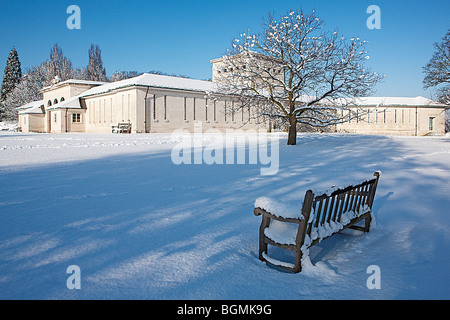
[262,243]
[367,223]
[298,260]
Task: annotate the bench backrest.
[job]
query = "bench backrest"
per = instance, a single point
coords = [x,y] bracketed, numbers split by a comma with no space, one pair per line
[326,208]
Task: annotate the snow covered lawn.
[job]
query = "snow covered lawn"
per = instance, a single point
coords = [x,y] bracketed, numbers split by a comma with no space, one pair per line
[140,227]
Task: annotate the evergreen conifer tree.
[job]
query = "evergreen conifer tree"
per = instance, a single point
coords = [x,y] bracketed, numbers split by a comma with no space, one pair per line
[12,75]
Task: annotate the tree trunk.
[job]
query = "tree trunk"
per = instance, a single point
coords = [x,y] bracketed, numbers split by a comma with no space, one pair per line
[292,138]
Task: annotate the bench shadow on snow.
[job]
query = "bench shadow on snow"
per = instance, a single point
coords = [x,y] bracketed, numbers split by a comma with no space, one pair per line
[139,226]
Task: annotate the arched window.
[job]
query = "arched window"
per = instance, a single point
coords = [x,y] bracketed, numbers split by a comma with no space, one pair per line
[62,99]
[49,103]
[55,101]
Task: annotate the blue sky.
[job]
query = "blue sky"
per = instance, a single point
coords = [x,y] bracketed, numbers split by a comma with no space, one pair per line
[181,37]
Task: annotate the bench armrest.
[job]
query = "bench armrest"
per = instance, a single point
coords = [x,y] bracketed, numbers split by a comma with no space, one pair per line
[260,211]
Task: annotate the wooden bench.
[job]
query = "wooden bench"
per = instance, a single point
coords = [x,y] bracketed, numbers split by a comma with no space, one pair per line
[121,127]
[321,216]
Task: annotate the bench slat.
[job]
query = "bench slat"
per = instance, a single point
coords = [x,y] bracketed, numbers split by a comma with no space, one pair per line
[324,211]
[317,213]
[332,209]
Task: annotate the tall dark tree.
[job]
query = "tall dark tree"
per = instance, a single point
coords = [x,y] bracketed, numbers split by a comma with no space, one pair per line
[437,71]
[12,75]
[95,70]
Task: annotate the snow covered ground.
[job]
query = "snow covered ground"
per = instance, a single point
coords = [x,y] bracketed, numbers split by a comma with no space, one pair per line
[8,126]
[140,227]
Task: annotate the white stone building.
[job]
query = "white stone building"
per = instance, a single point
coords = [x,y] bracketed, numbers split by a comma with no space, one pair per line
[149,102]
[397,116]
[156,103]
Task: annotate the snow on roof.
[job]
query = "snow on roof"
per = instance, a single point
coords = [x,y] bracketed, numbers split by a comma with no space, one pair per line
[33,110]
[75,81]
[31,105]
[86,82]
[72,103]
[34,107]
[397,101]
[157,81]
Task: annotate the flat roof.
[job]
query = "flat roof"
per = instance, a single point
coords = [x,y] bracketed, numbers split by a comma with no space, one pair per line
[394,101]
[156,81]
[74,81]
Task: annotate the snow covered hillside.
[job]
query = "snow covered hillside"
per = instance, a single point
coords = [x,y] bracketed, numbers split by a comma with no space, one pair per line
[140,227]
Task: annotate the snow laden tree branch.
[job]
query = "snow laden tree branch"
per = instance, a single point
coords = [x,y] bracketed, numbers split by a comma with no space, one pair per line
[437,70]
[295,72]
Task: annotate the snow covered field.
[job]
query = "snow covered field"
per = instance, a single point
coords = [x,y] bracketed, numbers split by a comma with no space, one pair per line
[140,227]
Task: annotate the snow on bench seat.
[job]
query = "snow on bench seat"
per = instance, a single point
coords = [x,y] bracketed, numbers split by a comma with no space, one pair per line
[282,232]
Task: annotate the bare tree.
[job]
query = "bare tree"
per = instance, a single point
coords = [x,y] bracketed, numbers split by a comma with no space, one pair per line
[122,75]
[81,74]
[437,71]
[294,72]
[58,66]
[95,70]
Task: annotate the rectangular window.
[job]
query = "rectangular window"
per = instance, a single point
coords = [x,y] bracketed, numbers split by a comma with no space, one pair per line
[184,109]
[403,115]
[384,115]
[215,117]
[376,116]
[206,109]
[154,107]
[193,109]
[76,117]
[165,107]
[54,117]
[395,115]
[431,123]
